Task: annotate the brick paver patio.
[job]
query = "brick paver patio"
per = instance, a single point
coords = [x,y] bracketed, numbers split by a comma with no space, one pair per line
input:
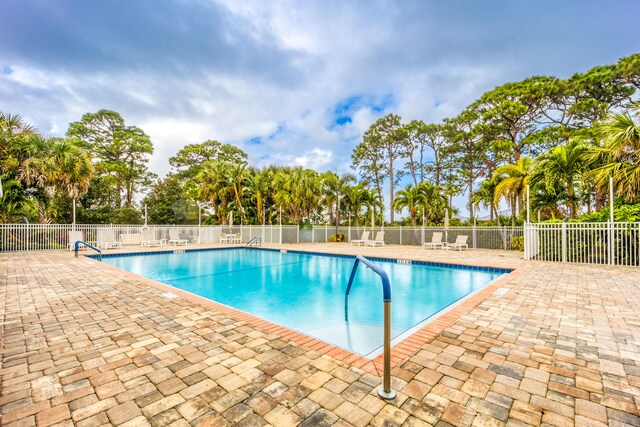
[83,344]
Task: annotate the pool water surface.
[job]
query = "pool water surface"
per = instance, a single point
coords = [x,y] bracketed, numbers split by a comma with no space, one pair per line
[306,292]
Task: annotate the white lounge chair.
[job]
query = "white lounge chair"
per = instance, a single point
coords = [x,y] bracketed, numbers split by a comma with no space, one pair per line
[436,240]
[149,238]
[363,239]
[461,241]
[131,239]
[379,240]
[174,237]
[74,236]
[107,239]
[225,238]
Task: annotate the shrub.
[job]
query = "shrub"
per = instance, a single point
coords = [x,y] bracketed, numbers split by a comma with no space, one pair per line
[339,237]
[518,243]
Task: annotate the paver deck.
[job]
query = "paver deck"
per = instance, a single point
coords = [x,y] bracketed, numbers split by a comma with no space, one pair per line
[83,344]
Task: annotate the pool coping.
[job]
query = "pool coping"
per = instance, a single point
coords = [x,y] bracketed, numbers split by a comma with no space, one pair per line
[401,351]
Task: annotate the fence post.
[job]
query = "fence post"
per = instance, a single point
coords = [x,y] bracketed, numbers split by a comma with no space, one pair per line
[564,242]
[473,235]
[525,235]
[504,237]
[401,235]
[610,243]
[298,234]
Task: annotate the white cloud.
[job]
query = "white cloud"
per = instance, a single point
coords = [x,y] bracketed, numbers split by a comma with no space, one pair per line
[234,71]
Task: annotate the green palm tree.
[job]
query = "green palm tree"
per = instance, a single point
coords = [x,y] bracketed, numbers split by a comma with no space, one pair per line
[435,202]
[620,154]
[485,197]
[215,187]
[412,198]
[298,192]
[559,169]
[257,184]
[511,182]
[14,131]
[54,165]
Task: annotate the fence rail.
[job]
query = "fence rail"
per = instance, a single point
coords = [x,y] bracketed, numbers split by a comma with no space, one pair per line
[28,237]
[615,243]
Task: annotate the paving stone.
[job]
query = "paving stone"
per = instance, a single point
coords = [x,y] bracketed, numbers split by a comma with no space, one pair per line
[122,413]
[353,414]
[557,349]
[320,418]
[281,416]
[389,416]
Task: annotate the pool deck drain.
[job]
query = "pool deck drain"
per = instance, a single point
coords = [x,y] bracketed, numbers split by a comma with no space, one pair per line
[84,345]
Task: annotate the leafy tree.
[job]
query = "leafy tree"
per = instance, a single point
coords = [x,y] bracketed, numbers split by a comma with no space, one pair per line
[511,183]
[369,161]
[167,202]
[422,137]
[190,158]
[122,151]
[387,139]
[629,68]
[513,109]
[559,168]
[620,155]
[469,148]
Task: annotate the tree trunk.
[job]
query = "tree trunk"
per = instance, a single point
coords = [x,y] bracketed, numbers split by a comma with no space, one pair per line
[471,195]
[391,185]
[572,202]
[337,215]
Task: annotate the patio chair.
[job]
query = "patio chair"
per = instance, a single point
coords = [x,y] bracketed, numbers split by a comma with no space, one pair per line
[236,238]
[379,240]
[74,236]
[149,238]
[107,239]
[225,238]
[436,240]
[131,239]
[461,241]
[363,239]
[174,237]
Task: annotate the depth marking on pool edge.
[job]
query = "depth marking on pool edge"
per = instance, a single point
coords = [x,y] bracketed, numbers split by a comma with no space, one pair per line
[500,292]
[403,261]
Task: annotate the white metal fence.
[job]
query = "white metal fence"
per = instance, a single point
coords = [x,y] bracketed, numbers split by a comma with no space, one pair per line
[615,243]
[26,237]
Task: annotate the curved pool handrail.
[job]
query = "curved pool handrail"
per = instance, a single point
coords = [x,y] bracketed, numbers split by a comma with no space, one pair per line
[386,284]
[257,240]
[386,392]
[81,242]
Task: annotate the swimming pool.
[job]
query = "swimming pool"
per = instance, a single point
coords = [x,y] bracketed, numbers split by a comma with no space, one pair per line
[305,292]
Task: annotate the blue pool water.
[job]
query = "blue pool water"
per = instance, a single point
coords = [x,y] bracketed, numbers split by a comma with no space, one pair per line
[305,292]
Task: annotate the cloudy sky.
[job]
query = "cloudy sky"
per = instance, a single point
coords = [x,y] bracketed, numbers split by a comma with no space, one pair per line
[289,82]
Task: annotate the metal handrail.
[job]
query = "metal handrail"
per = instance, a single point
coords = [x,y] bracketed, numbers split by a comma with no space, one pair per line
[256,240]
[386,392]
[77,246]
